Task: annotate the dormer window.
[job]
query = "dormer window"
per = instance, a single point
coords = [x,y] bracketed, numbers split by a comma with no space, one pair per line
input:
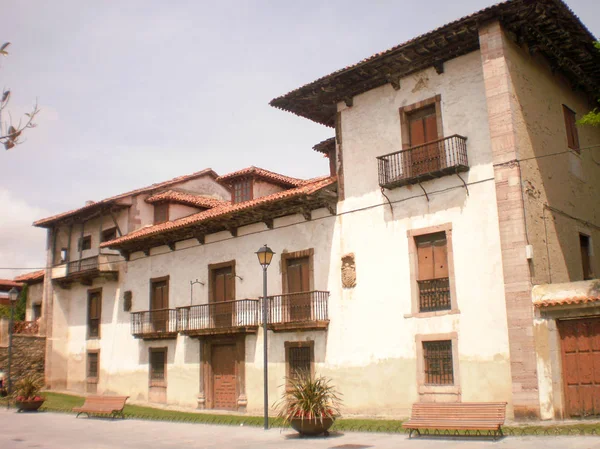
[242,191]
[161,213]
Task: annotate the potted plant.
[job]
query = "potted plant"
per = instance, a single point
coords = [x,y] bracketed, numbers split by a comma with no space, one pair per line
[27,392]
[309,404]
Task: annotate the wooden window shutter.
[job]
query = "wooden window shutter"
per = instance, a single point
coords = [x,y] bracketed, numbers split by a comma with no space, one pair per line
[571,128]
[161,213]
[229,287]
[432,256]
[440,258]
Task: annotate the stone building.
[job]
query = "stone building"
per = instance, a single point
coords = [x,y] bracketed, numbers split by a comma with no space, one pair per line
[458,181]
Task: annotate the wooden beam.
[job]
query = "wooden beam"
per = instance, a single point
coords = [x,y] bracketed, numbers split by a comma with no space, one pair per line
[233,231]
[124,253]
[349,101]
[146,251]
[268,222]
[306,213]
[171,246]
[439,67]
[201,238]
[394,81]
[332,208]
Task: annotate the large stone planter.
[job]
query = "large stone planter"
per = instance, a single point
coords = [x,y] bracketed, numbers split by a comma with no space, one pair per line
[312,427]
[29,406]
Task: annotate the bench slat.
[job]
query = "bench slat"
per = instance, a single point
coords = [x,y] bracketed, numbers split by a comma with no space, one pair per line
[102,404]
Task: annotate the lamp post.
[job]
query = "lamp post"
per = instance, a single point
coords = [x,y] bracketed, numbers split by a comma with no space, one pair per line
[265,255]
[13,295]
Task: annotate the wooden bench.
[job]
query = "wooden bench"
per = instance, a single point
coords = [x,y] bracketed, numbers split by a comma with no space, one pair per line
[102,405]
[457,416]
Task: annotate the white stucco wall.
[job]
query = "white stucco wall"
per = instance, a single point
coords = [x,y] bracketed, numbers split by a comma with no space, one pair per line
[262,188]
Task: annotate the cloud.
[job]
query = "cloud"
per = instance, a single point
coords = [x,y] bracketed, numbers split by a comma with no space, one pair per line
[21,245]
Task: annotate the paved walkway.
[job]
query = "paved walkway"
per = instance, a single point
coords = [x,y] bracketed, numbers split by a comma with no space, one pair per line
[64,431]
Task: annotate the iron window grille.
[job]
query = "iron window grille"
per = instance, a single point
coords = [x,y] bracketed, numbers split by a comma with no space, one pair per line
[434,294]
[92,365]
[157,365]
[299,360]
[438,362]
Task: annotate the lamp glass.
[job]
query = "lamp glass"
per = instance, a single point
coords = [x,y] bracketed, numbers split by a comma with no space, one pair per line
[13,294]
[265,255]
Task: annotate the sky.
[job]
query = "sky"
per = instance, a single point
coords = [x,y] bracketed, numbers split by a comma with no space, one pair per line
[134,92]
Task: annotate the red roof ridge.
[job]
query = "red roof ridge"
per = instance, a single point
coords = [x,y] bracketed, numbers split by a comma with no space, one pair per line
[31,276]
[263,173]
[48,220]
[228,208]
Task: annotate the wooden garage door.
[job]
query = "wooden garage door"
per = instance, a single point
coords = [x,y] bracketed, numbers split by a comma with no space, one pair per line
[223,367]
[580,343]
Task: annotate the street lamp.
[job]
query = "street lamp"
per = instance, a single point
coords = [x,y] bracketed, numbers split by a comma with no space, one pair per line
[265,255]
[13,295]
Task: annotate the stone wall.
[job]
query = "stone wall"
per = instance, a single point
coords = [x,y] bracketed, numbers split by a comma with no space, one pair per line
[28,356]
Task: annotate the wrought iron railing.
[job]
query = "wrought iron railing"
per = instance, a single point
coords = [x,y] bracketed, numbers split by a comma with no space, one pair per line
[26,327]
[152,322]
[434,294]
[422,162]
[298,307]
[218,315]
[87,264]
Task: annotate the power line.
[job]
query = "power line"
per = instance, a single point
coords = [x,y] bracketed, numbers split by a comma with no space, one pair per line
[360,209]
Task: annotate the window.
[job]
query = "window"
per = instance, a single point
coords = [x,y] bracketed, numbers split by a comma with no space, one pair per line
[158,366]
[437,362]
[109,234]
[242,191]
[433,289]
[159,304]
[422,123]
[93,366]
[299,357]
[571,128]
[586,260]
[161,213]
[63,255]
[84,243]
[36,311]
[432,276]
[94,313]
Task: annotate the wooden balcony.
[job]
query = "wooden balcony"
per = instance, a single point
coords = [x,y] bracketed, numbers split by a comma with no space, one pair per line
[86,269]
[154,324]
[219,318]
[298,311]
[424,162]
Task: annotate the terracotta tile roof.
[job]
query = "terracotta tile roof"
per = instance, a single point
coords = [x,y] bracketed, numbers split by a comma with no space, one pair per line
[325,146]
[46,222]
[187,198]
[34,276]
[7,284]
[548,21]
[264,174]
[224,211]
[566,301]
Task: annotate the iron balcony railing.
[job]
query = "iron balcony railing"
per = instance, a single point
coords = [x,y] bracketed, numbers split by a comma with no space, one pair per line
[298,307]
[434,294]
[420,163]
[87,264]
[240,313]
[154,323]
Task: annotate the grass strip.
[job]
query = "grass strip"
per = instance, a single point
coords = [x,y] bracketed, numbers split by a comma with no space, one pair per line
[64,403]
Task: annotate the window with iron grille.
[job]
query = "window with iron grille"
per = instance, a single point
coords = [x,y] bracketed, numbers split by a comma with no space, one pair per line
[92,365]
[437,357]
[158,363]
[242,191]
[94,313]
[299,358]
[432,275]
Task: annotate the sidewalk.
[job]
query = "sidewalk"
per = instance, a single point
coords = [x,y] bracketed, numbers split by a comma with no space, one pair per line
[64,431]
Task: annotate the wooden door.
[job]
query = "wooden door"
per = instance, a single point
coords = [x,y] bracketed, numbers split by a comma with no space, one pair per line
[298,283]
[223,296]
[224,379]
[580,347]
[159,305]
[423,129]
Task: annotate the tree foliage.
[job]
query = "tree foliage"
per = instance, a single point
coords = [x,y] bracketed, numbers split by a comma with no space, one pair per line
[592,118]
[12,132]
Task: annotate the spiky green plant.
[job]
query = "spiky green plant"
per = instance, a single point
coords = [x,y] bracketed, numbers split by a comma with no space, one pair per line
[28,387]
[307,397]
